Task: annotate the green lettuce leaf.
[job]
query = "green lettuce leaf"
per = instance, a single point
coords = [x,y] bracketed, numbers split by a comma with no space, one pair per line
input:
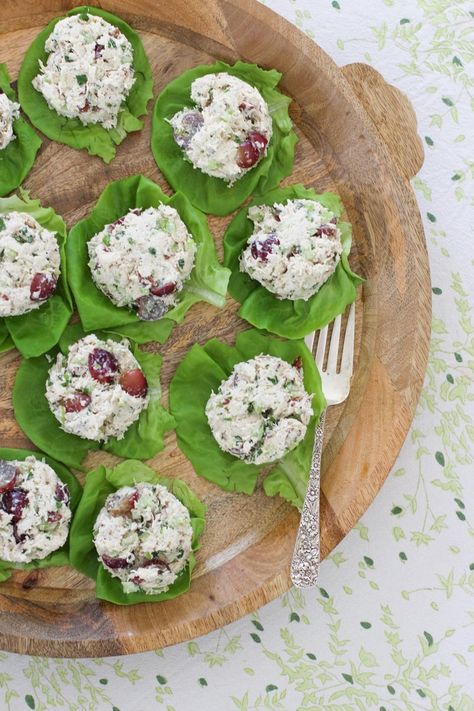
[16,160]
[97,140]
[209,194]
[198,375]
[261,308]
[61,556]
[143,439]
[208,280]
[36,332]
[6,342]
[99,484]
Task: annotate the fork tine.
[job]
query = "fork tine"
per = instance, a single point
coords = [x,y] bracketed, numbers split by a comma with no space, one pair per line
[334,345]
[321,349]
[347,361]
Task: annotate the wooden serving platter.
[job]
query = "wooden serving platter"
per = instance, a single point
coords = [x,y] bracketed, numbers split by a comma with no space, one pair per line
[358,138]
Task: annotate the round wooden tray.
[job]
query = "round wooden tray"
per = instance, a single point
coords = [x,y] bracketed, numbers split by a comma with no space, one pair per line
[358,138]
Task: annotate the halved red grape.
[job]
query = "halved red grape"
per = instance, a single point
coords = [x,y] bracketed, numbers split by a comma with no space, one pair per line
[328,230]
[84,109]
[61,492]
[114,563]
[190,124]
[251,150]
[261,249]
[134,382]
[8,474]
[103,365]
[298,363]
[155,563]
[258,140]
[247,155]
[122,505]
[54,516]
[77,402]
[42,286]
[163,290]
[150,308]
[13,502]
[98,49]
[245,106]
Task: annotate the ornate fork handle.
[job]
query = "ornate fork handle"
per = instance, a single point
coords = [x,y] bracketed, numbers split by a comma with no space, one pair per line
[306,556]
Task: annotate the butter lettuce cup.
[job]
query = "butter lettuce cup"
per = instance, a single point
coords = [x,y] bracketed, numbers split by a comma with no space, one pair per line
[38,500]
[248,409]
[85,81]
[95,391]
[221,133]
[19,143]
[288,252]
[141,259]
[35,301]
[136,533]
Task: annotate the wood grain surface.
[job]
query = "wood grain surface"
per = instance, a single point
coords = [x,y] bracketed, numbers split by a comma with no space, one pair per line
[357,137]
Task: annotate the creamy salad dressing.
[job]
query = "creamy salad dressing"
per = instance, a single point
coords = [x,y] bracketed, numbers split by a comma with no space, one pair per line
[34,510]
[143,536]
[229,130]
[98,390]
[29,264]
[261,411]
[294,249]
[89,71]
[143,259]
[9,111]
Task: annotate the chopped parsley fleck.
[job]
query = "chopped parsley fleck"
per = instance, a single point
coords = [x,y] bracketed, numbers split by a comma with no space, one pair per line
[273,380]
[152,251]
[180,263]
[84,16]
[67,58]
[23,236]
[111,43]
[81,79]
[250,407]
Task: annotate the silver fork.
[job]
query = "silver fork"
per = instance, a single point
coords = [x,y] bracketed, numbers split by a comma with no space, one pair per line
[336,386]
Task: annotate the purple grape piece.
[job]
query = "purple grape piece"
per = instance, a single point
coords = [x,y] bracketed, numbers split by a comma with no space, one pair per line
[151,308]
[155,563]
[114,563]
[13,502]
[7,475]
[19,537]
[261,250]
[62,493]
[190,125]
[103,365]
[328,230]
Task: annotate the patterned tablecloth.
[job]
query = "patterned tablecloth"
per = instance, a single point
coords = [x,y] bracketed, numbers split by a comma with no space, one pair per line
[392,625]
